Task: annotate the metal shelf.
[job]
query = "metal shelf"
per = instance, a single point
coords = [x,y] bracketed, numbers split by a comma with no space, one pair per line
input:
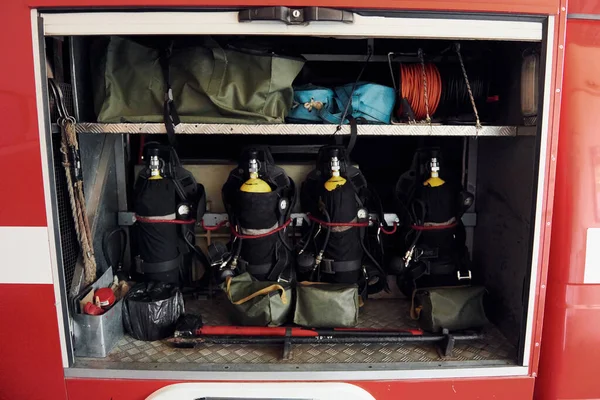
[306,129]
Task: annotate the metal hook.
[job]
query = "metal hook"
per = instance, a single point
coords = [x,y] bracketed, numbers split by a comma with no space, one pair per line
[58,99]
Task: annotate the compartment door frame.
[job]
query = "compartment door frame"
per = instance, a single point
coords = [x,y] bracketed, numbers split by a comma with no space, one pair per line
[439,26]
[452,26]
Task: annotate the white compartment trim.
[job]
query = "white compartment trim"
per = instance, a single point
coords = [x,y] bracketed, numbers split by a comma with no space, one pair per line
[50,262]
[539,215]
[226,23]
[274,375]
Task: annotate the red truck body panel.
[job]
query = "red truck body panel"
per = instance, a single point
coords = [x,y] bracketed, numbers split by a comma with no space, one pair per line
[463,389]
[31,365]
[571,344]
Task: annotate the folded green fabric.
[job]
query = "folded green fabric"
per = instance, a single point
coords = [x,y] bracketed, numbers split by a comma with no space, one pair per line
[452,308]
[210,84]
[325,305]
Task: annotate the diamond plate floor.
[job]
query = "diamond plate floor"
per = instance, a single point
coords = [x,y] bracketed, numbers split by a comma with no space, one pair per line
[383,313]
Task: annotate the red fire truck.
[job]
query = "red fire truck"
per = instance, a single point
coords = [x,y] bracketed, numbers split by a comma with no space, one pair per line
[534,226]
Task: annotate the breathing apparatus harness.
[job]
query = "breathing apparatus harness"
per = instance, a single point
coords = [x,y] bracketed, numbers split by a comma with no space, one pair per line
[436,254]
[167,203]
[335,248]
[168,200]
[259,198]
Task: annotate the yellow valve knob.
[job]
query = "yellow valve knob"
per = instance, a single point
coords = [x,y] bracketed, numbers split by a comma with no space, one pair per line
[334,182]
[336,179]
[434,181]
[255,185]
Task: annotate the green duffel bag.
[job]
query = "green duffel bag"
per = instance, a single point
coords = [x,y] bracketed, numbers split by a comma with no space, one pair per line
[209,84]
[452,308]
[258,303]
[326,305]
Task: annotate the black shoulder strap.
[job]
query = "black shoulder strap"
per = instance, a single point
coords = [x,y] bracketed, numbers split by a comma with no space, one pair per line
[282,262]
[338,140]
[353,136]
[233,182]
[171,118]
[278,177]
[355,176]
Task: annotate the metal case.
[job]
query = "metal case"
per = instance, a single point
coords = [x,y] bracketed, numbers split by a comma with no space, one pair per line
[96,335]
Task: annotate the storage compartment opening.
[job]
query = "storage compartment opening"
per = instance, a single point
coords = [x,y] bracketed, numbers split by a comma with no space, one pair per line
[500,171]
[493,70]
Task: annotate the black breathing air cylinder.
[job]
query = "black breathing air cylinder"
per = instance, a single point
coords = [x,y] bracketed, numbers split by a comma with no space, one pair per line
[435,252]
[155,199]
[338,198]
[332,253]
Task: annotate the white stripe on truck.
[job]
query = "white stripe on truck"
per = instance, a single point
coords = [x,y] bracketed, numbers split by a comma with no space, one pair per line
[25,253]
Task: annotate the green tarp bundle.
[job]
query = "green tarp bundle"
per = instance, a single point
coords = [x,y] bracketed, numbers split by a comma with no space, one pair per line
[210,84]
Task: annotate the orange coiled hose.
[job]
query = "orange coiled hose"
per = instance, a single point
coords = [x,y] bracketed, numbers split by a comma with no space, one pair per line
[413,88]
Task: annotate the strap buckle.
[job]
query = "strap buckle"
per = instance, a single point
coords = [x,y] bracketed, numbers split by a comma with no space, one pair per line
[465,277]
[327,266]
[169,95]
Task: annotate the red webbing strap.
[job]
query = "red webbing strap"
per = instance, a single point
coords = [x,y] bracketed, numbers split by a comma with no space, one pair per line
[433,227]
[262,235]
[215,227]
[331,224]
[164,221]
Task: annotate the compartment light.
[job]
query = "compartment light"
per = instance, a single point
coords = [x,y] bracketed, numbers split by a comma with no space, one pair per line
[530,72]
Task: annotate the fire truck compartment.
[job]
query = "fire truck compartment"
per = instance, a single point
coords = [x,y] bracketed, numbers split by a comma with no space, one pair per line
[499,163]
[499,236]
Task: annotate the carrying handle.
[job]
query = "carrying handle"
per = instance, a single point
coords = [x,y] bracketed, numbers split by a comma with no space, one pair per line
[220,63]
[295,16]
[310,283]
[415,312]
[272,288]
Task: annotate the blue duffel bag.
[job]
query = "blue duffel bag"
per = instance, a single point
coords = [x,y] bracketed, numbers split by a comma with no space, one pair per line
[371,103]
